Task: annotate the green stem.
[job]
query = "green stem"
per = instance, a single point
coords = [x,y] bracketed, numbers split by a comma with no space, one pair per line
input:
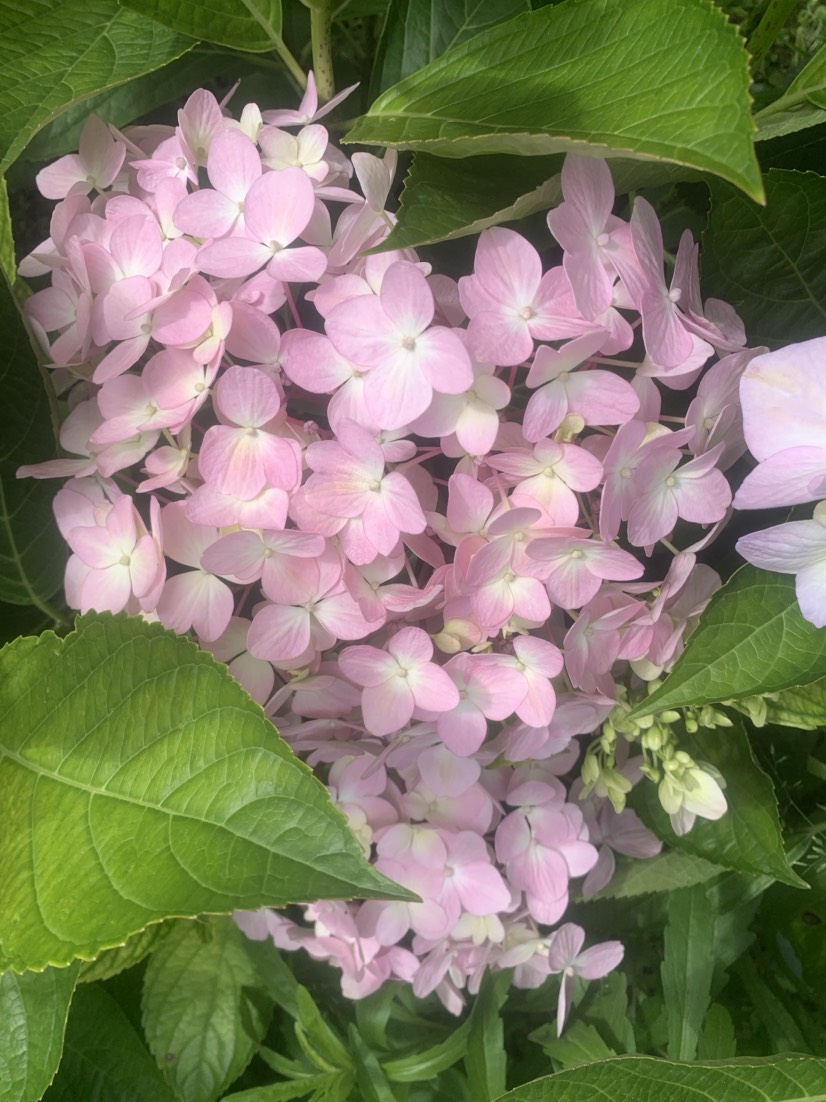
[278,44]
[785,103]
[769,27]
[321,28]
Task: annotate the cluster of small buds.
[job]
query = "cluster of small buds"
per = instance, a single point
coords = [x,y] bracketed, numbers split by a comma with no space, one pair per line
[412,516]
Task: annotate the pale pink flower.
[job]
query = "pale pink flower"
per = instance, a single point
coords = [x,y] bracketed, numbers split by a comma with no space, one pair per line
[398,680]
[565,956]
[95,166]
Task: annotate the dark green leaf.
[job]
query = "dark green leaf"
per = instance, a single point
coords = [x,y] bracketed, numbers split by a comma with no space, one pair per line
[800,106]
[717,1040]
[770,262]
[418,31]
[486,1059]
[687,969]
[667,872]
[374,1085]
[751,639]
[104,1058]
[114,961]
[32,553]
[580,1044]
[646,1079]
[56,52]
[253,25]
[33,1010]
[139,781]
[747,838]
[444,199]
[125,103]
[549,81]
[195,1023]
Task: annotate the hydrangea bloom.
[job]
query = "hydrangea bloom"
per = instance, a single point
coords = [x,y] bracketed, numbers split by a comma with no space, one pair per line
[414,518]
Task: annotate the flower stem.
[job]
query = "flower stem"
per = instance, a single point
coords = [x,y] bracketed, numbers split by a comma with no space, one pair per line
[321,23]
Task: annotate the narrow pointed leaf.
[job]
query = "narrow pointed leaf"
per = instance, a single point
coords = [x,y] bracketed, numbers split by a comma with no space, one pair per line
[139,781]
[417,31]
[486,1059]
[548,81]
[748,837]
[198,1021]
[104,1057]
[667,872]
[31,553]
[647,1079]
[687,969]
[33,1011]
[751,639]
[770,262]
[55,52]
[243,24]
[135,949]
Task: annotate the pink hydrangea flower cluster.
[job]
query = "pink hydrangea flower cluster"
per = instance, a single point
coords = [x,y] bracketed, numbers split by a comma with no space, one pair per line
[783,397]
[414,517]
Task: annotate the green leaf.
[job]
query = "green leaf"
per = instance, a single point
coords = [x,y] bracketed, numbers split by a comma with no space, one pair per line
[580,1044]
[427,1064]
[717,1040]
[192,1008]
[114,961]
[687,969]
[748,837]
[55,52]
[139,781]
[647,1079]
[770,262]
[319,1033]
[373,1083]
[32,553]
[751,639]
[445,199]
[124,104]
[104,1058]
[803,708]
[801,105]
[486,1059]
[667,872]
[33,1011]
[321,1086]
[252,25]
[8,262]
[417,31]
[548,81]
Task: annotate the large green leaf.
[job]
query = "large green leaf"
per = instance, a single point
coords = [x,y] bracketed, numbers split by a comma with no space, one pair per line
[417,31]
[647,1079]
[105,1058]
[770,262]
[252,25]
[32,554]
[748,837]
[687,969]
[33,1010]
[751,639]
[139,781]
[198,1020]
[55,52]
[662,80]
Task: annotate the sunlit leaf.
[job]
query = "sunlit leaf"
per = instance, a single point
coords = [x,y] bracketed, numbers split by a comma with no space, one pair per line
[654,79]
[55,52]
[138,781]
